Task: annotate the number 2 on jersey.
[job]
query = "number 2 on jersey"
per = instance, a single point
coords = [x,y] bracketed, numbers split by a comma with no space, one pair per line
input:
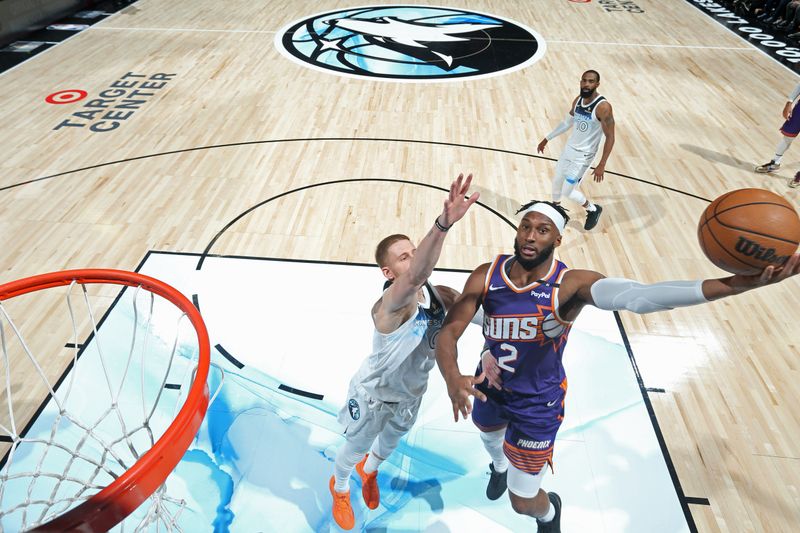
[503,360]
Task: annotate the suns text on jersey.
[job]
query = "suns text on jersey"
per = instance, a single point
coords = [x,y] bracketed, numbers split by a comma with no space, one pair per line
[511,328]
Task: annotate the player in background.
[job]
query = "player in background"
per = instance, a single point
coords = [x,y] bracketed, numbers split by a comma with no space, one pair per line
[789,130]
[591,118]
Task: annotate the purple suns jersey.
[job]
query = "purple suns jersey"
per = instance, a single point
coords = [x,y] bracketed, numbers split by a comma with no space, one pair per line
[523,330]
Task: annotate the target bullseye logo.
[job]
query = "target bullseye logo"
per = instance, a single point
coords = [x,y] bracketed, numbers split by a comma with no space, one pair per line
[66,97]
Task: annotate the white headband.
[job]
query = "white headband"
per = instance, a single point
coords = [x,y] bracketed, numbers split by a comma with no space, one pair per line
[550,213]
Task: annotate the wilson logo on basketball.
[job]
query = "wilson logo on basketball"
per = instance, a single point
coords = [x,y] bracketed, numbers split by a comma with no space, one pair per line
[750,248]
[746,230]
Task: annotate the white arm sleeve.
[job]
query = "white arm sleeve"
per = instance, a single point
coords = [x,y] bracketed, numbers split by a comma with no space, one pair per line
[795,93]
[563,126]
[614,294]
[478,318]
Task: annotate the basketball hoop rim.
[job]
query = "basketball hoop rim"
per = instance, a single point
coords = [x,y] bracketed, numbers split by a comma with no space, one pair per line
[111,505]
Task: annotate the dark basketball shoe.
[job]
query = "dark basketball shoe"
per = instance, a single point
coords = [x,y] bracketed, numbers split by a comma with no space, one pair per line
[554,525]
[795,181]
[592,217]
[769,166]
[497,483]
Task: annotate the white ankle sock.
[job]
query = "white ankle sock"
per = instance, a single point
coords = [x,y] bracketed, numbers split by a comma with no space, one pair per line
[346,459]
[783,145]
[550,514]
[372,463]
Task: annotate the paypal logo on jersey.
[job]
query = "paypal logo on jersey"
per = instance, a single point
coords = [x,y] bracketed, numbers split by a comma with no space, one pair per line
[410,43]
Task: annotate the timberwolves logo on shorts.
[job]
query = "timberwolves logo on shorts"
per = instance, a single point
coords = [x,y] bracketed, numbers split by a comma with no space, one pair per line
[355,410]
[410,43]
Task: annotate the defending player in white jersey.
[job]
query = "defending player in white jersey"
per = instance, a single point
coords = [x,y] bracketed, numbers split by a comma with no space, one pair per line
[386,391]
[592,118]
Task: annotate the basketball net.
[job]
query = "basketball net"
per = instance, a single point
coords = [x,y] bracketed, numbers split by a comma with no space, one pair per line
[114,423]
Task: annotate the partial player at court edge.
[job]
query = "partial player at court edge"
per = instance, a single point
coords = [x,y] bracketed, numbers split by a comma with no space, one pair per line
[789,130]
[385,393]
[592,118]
[530,301]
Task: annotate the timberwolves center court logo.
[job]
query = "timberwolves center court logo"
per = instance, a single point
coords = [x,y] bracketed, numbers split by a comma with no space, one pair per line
[410,43]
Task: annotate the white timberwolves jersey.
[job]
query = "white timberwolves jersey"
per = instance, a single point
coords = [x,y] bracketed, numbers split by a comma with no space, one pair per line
[587,130]
[398,368]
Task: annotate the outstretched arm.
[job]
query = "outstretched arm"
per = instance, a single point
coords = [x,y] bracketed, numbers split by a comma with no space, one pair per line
[402,293]
[606,116]
[616,294]
[460,387]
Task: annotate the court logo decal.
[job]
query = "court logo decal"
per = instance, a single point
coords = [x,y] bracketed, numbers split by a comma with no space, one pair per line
[67,96]
[620,6]
[112,106]
[410,43]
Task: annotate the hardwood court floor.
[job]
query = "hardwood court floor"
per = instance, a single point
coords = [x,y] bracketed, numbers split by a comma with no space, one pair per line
[237,123]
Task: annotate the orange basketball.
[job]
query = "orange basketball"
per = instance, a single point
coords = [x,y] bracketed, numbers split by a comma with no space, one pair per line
[746,230]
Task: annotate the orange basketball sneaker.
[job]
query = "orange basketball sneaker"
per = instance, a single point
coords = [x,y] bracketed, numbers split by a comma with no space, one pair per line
[342,510]
[369,485]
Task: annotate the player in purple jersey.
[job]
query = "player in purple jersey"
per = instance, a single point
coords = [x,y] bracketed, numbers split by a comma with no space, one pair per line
[789,130]
[530,300]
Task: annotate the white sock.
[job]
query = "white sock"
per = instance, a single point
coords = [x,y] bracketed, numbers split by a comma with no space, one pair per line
[783,145]
[346,460]
[577,196]
[493,442]
[591,207]
[550,514]
[373,462]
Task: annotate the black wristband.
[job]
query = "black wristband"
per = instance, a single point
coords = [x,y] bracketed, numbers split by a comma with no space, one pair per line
[439,226]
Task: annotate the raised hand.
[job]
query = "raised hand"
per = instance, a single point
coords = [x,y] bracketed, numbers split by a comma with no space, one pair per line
[456,205]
